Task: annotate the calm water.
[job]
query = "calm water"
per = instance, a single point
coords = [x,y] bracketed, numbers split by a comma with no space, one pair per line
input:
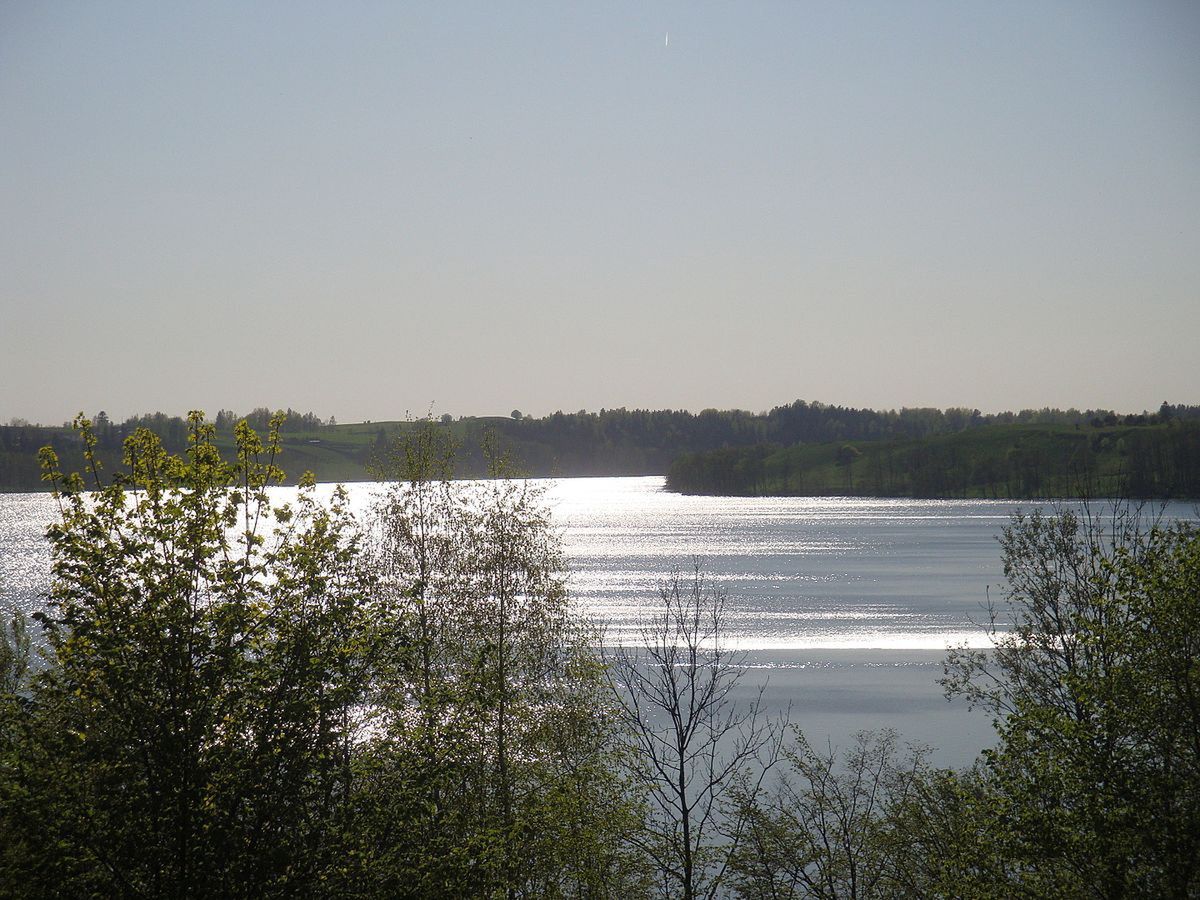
[844,606]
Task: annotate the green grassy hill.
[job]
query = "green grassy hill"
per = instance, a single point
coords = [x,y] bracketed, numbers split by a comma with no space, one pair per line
[335,453]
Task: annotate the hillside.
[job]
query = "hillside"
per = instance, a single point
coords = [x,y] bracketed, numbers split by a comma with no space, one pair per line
[998,461]
[718,451]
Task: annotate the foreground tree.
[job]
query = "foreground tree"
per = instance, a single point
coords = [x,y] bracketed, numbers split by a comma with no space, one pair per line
[691,742]
[1094,786]
[502,755]
[237,700]
[190,732]
[827,827]
[15,652]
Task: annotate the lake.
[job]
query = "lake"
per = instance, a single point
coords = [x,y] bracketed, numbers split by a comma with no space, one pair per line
[844,606]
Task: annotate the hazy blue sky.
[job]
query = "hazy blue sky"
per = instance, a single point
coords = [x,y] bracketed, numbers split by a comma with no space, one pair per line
[368,208]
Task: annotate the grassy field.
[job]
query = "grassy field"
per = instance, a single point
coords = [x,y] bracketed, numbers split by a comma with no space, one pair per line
[333,453]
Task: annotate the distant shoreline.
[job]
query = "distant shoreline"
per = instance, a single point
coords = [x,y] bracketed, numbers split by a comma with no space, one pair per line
[802,449]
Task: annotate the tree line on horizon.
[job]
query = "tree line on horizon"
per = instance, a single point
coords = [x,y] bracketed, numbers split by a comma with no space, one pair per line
[227,698]
[608,442]
[1151,461]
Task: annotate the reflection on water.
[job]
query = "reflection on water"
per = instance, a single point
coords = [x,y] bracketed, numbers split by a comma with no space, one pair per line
[800,573]
[24,559]
[846,604]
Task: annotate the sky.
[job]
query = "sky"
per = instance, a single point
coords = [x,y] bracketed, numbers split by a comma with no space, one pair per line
[369,210]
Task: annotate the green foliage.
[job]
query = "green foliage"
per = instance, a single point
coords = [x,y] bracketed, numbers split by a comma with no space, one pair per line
[1097,773]
[233,698]
[639,442]
[507,781]
[190,732]
[242,699]
[1093,788]
[302,433]
[15,646]
[828,827]
[996,461]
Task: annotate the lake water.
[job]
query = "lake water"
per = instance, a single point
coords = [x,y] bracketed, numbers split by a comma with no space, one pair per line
[844,606]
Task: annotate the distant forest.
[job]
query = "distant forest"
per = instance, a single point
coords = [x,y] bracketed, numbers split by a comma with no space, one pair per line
[800,448]
[1152,461]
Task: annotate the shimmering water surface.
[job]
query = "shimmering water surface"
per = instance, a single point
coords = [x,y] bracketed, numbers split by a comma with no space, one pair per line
[846,605]
[801,573]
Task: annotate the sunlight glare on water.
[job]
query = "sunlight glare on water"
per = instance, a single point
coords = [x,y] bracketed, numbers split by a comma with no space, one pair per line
[799,572]
[844,606]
